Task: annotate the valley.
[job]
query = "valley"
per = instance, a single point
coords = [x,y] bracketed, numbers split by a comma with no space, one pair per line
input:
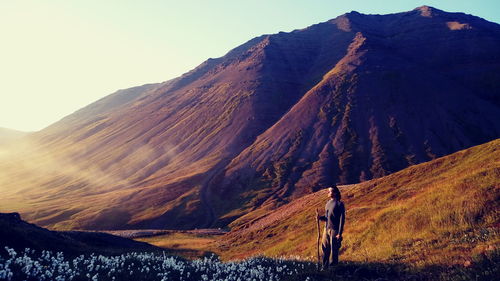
[217,174]
[281,116]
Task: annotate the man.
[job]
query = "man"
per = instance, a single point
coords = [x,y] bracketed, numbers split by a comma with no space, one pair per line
[335,219]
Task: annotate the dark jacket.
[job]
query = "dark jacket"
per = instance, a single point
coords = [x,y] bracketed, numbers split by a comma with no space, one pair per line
[334,216]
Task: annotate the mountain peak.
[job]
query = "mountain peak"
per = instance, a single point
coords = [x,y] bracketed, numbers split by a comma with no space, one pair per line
[426,11]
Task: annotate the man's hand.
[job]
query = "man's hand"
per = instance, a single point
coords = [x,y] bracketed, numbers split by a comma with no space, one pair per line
[338,237]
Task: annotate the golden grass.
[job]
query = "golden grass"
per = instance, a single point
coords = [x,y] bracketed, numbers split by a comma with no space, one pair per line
[187,245]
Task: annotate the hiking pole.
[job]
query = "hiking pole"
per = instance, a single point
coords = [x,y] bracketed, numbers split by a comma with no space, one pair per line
[319,234]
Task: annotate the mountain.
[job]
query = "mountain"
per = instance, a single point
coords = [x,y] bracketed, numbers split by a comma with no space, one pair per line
[441,212]
[351,99]
[18,234]
[103,106]
[8,136]
[395,99]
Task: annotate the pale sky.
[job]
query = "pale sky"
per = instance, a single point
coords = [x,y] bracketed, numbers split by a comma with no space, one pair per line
[57,56]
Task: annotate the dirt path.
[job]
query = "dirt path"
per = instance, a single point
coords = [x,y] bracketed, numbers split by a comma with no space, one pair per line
[136,233]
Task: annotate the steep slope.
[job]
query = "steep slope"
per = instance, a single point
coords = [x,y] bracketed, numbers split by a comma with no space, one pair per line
[354,98]
[394,100]
[443,211]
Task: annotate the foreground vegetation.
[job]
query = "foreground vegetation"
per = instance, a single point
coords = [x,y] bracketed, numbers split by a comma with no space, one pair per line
[46,265]
[139,266]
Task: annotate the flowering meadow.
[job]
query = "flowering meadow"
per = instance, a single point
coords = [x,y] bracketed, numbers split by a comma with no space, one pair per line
[46,265]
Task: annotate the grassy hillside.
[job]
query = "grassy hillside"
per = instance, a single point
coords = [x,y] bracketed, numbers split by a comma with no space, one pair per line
[443,211]
[189,245]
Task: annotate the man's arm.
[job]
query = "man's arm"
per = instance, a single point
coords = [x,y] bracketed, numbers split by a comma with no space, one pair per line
[342,221]
[318,217]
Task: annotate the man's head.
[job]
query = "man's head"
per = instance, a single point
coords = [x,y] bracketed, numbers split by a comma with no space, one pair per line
[334,192]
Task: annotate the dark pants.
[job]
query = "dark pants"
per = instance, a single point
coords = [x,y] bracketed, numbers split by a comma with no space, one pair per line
[330,247]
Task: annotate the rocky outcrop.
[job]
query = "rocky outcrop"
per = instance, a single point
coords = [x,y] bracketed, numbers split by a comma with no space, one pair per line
[18,234]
